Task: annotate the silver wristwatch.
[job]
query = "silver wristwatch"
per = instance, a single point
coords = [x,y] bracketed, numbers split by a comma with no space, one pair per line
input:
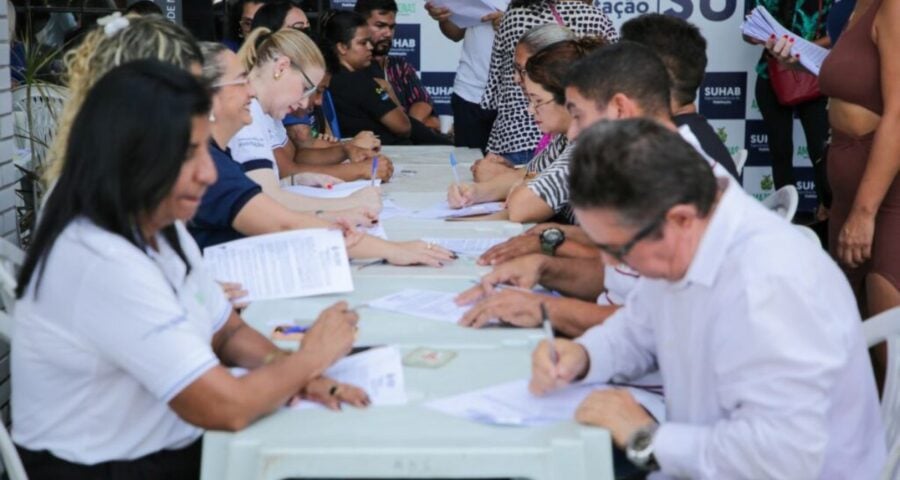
[640,448]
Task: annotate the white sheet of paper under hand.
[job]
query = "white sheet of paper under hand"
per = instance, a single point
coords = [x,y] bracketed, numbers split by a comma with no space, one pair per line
[761,25]
[378,371]
[433,305]
[338,190]
[512,404]
[443,210]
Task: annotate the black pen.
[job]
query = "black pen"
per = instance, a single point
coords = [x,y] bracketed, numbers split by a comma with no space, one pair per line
[380,261]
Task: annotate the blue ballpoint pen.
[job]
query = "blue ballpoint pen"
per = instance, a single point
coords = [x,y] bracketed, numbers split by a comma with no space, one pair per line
[374,168]
[453,167]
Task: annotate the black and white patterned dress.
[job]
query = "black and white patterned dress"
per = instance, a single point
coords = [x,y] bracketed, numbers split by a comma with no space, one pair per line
[515,130]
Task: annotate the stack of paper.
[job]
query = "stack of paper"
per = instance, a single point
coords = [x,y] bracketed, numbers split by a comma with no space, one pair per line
[297,263]
[761,25]
[512,404]
[378,371]
[443,210]
[338,190]
[438,306]
[468,13]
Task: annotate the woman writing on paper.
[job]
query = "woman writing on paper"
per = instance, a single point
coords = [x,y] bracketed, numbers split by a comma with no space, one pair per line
[121,359]
[544,179]
[235,206]
[284,69]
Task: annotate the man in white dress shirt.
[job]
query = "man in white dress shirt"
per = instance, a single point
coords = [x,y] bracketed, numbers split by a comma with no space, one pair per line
[757,336]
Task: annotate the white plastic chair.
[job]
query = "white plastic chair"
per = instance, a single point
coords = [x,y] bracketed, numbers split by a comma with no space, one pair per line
[885,327]
[740,158]
[784,201]
[810,234]
[47,102]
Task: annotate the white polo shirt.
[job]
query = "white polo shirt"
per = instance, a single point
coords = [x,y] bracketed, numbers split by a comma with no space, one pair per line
[764,365]
[112,336]
[253,146]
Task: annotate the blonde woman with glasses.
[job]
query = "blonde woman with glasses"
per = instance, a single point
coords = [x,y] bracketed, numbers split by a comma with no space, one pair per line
[284,69]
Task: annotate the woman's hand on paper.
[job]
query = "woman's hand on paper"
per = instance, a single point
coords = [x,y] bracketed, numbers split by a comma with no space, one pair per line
[369,197]
[572,363]
[332,335]
[460,195]
[316,179]
[332,394]
[489,167]
[356,216]
[418,253]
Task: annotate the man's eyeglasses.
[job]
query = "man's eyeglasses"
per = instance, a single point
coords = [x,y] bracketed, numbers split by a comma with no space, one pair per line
[619,252]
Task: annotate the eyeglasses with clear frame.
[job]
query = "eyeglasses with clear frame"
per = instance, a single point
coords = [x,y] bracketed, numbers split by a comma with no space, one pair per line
[619,252]
[535,106]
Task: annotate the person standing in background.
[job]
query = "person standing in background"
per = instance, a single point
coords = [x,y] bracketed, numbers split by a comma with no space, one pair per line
[471,123]
[514,134]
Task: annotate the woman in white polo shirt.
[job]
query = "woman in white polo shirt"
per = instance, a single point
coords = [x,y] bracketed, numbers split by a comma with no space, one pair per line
[284,69]
[122,337]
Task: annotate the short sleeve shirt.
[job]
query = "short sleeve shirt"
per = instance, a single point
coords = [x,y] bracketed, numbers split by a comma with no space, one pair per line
[113,334]
[253,146]
[223,200]
[542,160]
[405,82]
[360,103]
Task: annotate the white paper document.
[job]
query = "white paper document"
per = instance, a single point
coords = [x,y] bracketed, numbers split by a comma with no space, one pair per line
[390,209]
[468,13]
[338,190]
[378,371]
[297,263]
[512,404]
[428,304]
[466,246]
[376,230]
[761,25]
[443,210]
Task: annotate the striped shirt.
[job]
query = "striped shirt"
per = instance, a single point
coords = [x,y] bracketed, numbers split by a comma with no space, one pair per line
[552,185]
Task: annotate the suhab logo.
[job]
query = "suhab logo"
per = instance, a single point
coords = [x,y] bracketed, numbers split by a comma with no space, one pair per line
[767,183]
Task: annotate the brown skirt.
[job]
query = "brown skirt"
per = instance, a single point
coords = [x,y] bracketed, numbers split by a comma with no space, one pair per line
[847,158]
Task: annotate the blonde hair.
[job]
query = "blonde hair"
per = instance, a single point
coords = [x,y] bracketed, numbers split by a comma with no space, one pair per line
[263,45]
[146,37]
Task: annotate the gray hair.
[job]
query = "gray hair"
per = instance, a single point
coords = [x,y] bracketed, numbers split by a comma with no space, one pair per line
[213,70]
[543,36]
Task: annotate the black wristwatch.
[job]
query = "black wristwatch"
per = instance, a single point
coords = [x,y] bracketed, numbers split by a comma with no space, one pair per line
[640,448]
[551,239]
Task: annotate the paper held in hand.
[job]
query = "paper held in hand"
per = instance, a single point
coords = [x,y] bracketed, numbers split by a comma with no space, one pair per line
[761,25]
[468,13]
[298,263]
